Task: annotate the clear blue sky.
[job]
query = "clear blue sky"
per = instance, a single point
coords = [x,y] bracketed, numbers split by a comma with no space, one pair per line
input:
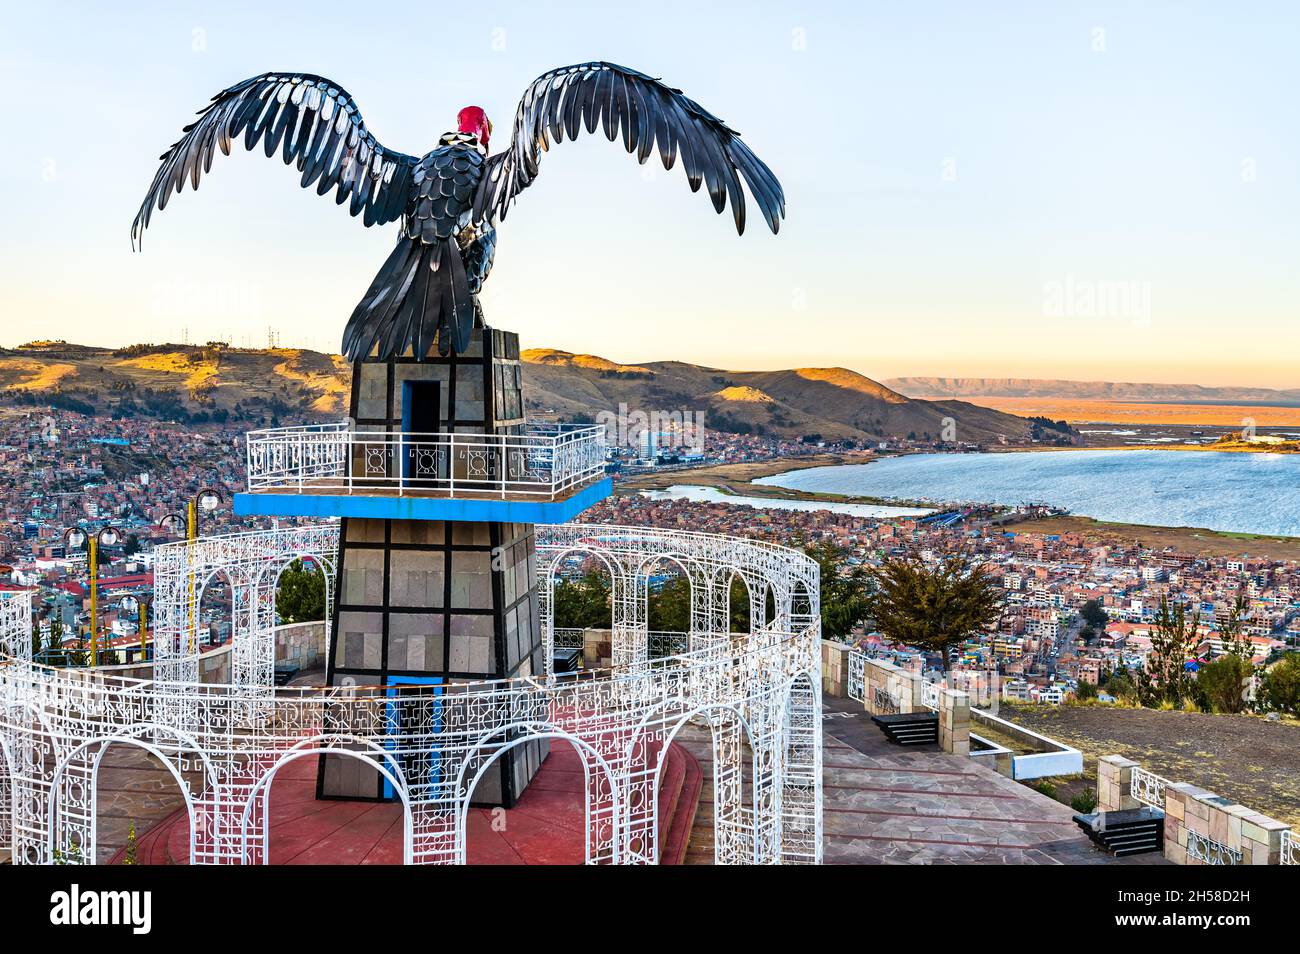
[961,179]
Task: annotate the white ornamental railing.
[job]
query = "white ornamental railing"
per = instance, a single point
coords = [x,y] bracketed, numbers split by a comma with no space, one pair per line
[930,695]
[568,637]
[1290,848]
[1148,788]
[1206,850]
[548,462]
[857,684]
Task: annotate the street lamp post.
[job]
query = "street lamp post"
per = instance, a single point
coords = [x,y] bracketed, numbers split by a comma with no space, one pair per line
[74,538]
[208,499]
[140,606]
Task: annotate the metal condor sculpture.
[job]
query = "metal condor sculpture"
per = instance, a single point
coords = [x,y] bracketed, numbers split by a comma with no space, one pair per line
[450,200]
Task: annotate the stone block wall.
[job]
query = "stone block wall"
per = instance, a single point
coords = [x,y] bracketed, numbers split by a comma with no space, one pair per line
[954,721]
[1203,828]
[1114,781]
[301,645]
[835,668]
[899,684]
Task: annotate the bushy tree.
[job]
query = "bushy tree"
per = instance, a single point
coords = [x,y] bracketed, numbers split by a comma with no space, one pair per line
[300,597]
[583,603]
[1234,639]
[933,607]
[1094,616]
[1166,678]
[1121,685]
[670,606]
[738,596]
[843,595]
[1281,688]
[1221,685]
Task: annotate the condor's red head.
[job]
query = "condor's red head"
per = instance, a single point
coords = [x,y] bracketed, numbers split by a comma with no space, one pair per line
[473,120]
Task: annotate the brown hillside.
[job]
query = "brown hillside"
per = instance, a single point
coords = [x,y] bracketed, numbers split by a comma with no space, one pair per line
[291,385]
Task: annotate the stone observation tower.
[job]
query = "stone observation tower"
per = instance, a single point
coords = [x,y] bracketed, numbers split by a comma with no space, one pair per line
[438,480]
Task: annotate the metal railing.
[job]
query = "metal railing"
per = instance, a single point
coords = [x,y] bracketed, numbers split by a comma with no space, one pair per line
[930,695]
[857,676]
[1148,788]
[1208,851]
[659,643]
[546,463]
[567,637]
[1290,848]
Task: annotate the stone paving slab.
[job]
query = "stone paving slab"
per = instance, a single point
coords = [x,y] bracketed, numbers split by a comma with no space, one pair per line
[884,804]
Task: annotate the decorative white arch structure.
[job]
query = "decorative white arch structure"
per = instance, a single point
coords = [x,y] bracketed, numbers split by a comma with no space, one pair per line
[757,693]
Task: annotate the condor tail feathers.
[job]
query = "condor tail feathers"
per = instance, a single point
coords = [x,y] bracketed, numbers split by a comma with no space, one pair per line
[419,296]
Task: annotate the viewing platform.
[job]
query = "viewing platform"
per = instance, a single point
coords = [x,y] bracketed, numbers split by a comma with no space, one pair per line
[548,474]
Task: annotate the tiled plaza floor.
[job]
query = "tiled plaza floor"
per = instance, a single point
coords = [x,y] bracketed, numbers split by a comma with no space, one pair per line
[893,805]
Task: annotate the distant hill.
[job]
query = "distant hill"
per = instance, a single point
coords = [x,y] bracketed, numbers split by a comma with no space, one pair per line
[287,385]
[933,387]
[178,382]
[833,402]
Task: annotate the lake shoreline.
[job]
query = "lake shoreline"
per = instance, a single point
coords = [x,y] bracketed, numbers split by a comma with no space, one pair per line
[1253,494]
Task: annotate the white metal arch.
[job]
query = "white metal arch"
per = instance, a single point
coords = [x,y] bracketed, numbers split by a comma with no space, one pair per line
[262,788]
[540,733]
[56,802]
[750,686]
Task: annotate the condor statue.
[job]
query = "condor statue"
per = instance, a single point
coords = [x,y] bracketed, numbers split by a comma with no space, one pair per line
[451,199]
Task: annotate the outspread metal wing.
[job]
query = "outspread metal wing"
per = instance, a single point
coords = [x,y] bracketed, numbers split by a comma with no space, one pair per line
[312,122]
[645,114]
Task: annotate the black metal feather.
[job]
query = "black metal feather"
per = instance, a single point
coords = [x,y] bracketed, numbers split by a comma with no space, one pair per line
[286,112]
[449,200]
[644,115]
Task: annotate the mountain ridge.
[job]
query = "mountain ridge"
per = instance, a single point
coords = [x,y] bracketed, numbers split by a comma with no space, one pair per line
[932,387]
[280,386]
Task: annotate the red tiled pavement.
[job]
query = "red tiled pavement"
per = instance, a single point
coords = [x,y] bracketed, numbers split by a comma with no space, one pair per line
[547,826]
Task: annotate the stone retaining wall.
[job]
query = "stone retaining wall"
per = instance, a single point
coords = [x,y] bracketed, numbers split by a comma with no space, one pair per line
[1201,828]
[835,668]
[301,645]
[296,644]
[900,685]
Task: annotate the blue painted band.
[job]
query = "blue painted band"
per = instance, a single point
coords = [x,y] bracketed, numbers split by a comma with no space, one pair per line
[421,508]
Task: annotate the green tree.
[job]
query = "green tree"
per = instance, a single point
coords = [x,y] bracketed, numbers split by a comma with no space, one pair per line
[132,545]
[1094,616]
[1220,685]
[583,603]
[843,595]
[1121,685]
[300,597]
[54,655]
[36,636]
[1175,635]
[1085,691]
[669,609]
[1234,639]
[738,598]
[79,655]
[1281,688]
[933,607]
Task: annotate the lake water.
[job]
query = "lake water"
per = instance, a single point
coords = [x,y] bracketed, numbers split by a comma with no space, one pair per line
[1249,493]
[713,495]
